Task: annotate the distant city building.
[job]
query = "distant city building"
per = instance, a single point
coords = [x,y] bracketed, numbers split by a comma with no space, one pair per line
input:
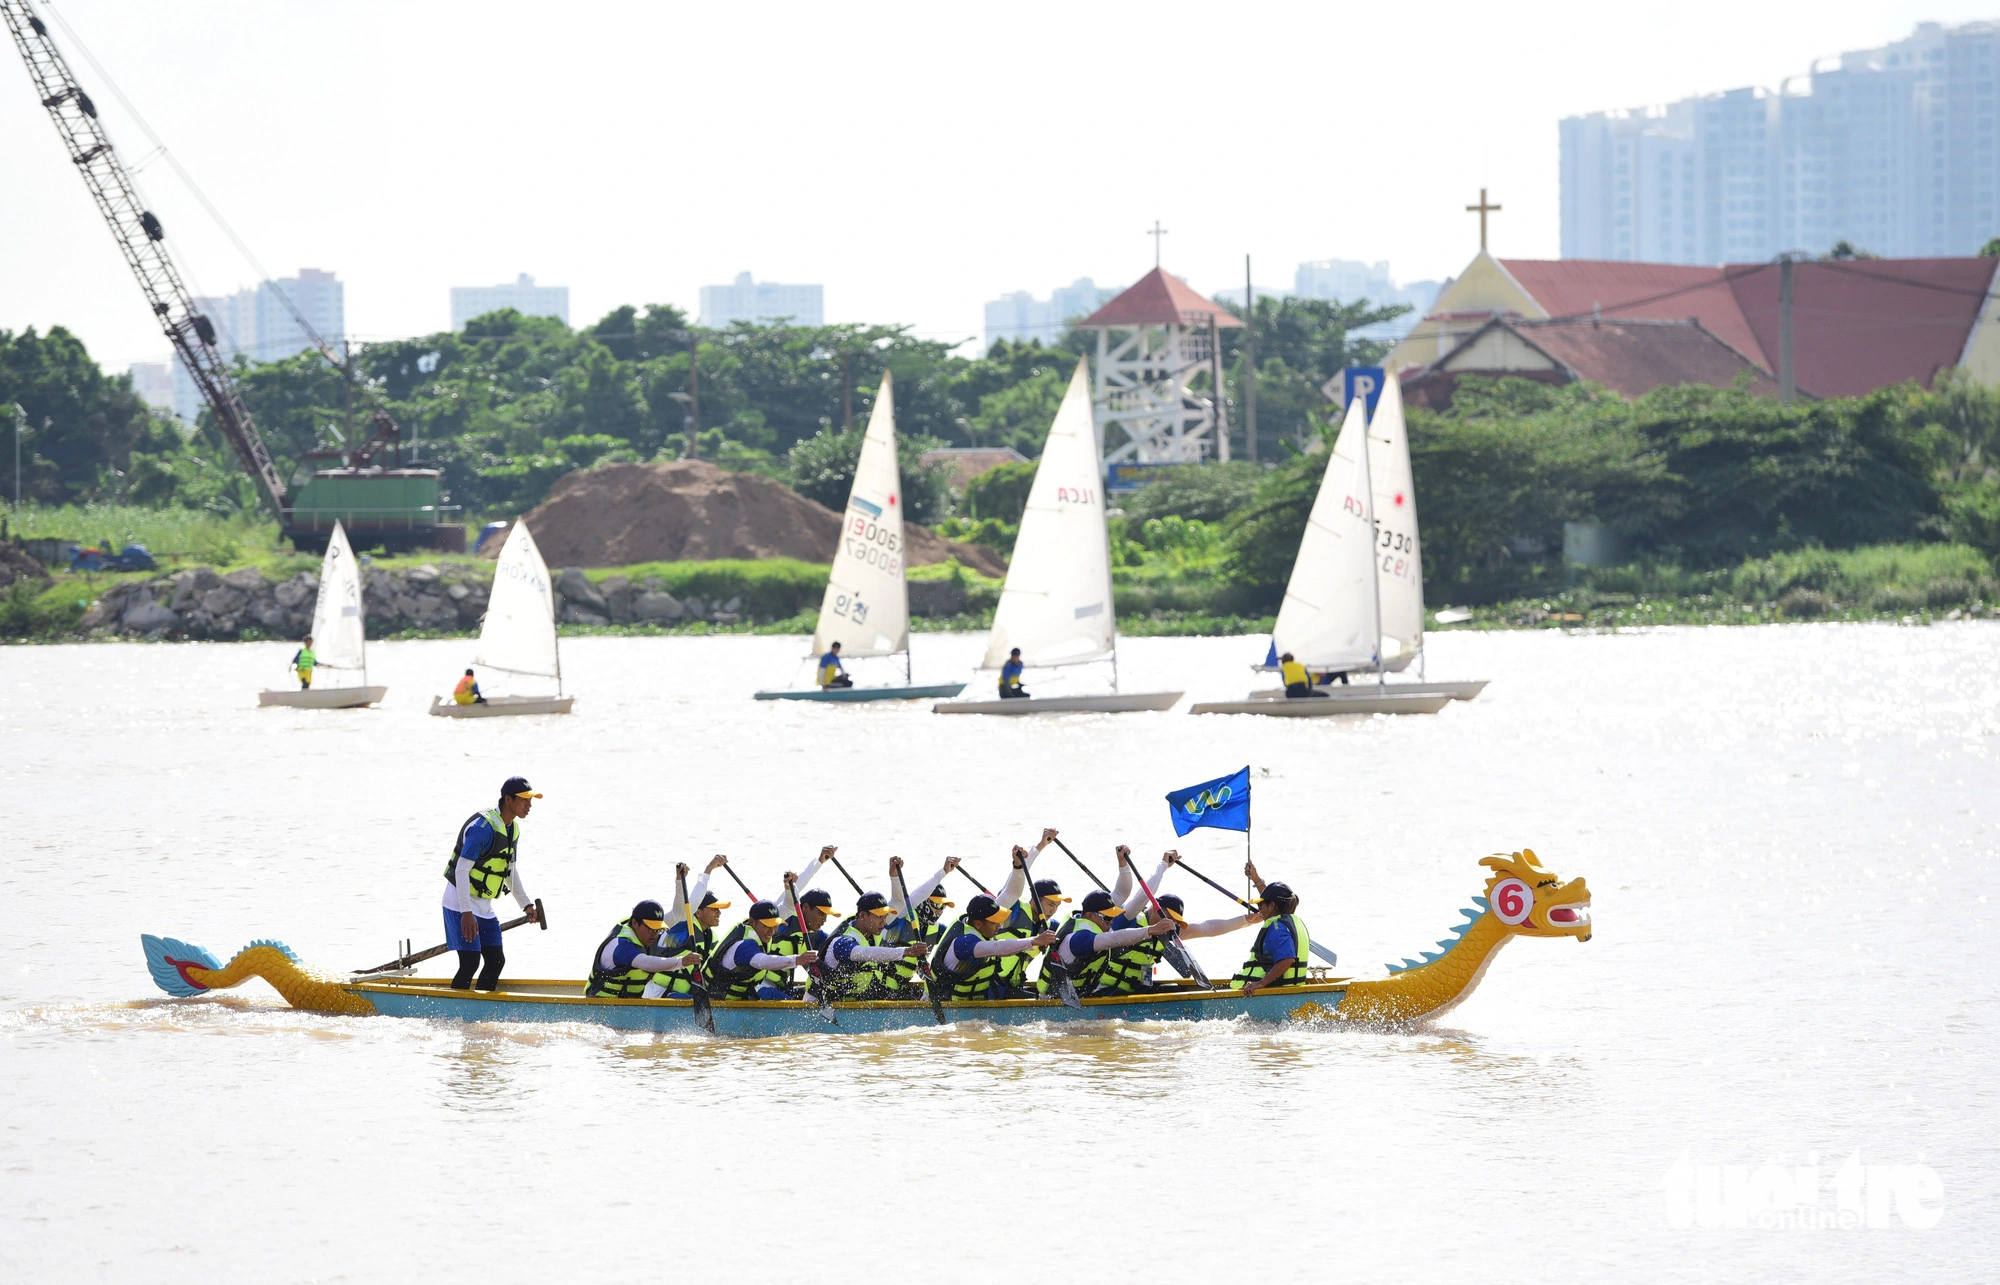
[1891,149]
[762,301]
[1020,317]
[524,297]
[1350,281]
[154,382]
[257,323]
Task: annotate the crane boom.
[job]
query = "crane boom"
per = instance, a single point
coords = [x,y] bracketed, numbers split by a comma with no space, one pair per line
[142,239]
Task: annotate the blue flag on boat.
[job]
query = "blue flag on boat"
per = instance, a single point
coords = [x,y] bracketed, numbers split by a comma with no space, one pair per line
[1223,804]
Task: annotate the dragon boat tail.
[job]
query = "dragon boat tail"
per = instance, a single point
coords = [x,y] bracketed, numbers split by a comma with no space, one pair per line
[1522,898]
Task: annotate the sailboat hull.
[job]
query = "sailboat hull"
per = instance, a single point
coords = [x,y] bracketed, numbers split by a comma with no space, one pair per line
[849,695]
[325,697]
[1363,700]
[499,706]
[1458,691]
[1108,703]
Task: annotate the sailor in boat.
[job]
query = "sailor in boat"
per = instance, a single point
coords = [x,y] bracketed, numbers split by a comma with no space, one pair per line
[303,661]
[1089,943]
[1278,956]
[971,952]
[485,862]
[1298,680]
[467,691]
[747,964]
[929,904]
[857,955]
[832,673]
[708,910]
[625,966]
[1010,677]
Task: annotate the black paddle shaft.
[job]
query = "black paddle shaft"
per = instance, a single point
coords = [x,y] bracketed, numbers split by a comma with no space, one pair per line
[541,917]
[731,872]
[844,874]
[1052,965]
[1213,884]
[698,993]
[1080,866]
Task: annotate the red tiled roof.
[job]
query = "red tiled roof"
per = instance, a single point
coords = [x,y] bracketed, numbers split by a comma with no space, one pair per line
[1858,325]
[1160,299]
[1663,291]
[1863,324]
[1632,357]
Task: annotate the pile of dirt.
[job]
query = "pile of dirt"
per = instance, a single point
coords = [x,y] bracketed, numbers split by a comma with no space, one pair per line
[15,564]
[690,510]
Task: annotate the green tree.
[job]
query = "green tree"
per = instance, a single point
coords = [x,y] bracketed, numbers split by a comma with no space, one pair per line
[1001,492]
[81,425]
[822,468]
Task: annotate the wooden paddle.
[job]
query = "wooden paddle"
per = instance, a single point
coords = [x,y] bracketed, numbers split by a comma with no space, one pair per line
[1052,965]
[924,974]
[704,1004]
[407,960]
[1326,956]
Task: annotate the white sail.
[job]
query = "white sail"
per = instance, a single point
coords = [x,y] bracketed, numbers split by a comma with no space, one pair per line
[1328,618]
[338,625]
[1056,604]
[867,605]
[519,635]
[1399,560]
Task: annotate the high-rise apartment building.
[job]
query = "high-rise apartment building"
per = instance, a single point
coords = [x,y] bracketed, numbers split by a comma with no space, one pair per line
[1020,317]
[762,302]
[1891,149]
[262,324]
[523,296]
[1351,281]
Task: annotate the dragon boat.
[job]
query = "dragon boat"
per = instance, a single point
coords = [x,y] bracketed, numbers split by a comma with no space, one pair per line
[1522,898]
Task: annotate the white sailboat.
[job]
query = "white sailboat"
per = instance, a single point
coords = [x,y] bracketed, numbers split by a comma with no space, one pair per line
[1056,604]
[867,605]
[1332,618]
[339,634]
[518,635]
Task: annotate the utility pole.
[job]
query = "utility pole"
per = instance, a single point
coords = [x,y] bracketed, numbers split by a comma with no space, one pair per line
[694,395]
[20,422]
[1249,364]
[1215,374]
[347,395]
[847,392]
[1788,384]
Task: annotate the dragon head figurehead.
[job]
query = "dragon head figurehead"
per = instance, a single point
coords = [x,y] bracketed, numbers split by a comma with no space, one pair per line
[1529,900]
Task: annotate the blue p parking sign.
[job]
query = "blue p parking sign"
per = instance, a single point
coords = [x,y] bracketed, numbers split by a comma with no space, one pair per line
[1360,381]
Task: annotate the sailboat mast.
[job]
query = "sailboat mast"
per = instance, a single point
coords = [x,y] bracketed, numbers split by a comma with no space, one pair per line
[1374,546]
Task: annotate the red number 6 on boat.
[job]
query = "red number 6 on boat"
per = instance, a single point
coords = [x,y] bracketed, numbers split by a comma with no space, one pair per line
[1512,900]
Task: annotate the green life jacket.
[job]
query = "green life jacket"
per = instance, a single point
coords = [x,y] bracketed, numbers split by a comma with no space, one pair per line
[742,983]
[1131,970]
[489,873]
[628,983]
[980,979]
[1260,960]
[1082,975]
[903,973]
[857,980]
[305,660]
[1019,926]
[702,943]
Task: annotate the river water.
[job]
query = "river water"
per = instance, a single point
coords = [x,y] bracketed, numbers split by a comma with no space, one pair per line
[1790,835]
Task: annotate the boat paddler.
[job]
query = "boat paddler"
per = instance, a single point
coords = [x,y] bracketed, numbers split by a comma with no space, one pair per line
[1010,678]
[857,955]
[831,672]
[303,661]
[1278,956]
[928,903]
[467,691]
[747,966]
[485,862]
[708,910]
[1090,941]
[624,966]
[972,952]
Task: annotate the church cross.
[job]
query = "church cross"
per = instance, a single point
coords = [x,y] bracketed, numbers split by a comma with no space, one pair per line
[1159,232]
[1482,210]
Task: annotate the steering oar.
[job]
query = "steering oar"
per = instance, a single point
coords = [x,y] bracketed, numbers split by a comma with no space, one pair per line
[1325,956]
[407,960]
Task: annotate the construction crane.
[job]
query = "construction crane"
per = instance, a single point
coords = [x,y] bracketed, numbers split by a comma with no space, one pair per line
[398,507]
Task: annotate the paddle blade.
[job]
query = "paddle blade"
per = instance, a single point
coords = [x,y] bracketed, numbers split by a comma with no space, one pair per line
[1324,955]
[1177,955]
[1066,990]
[704,1007]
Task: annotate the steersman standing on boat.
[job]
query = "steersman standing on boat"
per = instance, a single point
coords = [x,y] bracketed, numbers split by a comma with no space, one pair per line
[485,862]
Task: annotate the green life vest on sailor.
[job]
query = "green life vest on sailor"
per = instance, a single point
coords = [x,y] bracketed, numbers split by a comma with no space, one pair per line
[675,942]
[979,978]
[305,661]
[489,873]
[626,983]
[742,983]
[860,981]
[1260,960]
[1131,969]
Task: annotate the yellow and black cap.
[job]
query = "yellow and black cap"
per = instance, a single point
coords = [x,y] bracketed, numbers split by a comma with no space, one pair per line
[871,901]
[764,912]
[1099,902]
[517,787]
[818,899]
[648,913]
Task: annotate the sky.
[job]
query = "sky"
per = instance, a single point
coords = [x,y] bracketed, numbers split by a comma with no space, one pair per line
[916,159]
